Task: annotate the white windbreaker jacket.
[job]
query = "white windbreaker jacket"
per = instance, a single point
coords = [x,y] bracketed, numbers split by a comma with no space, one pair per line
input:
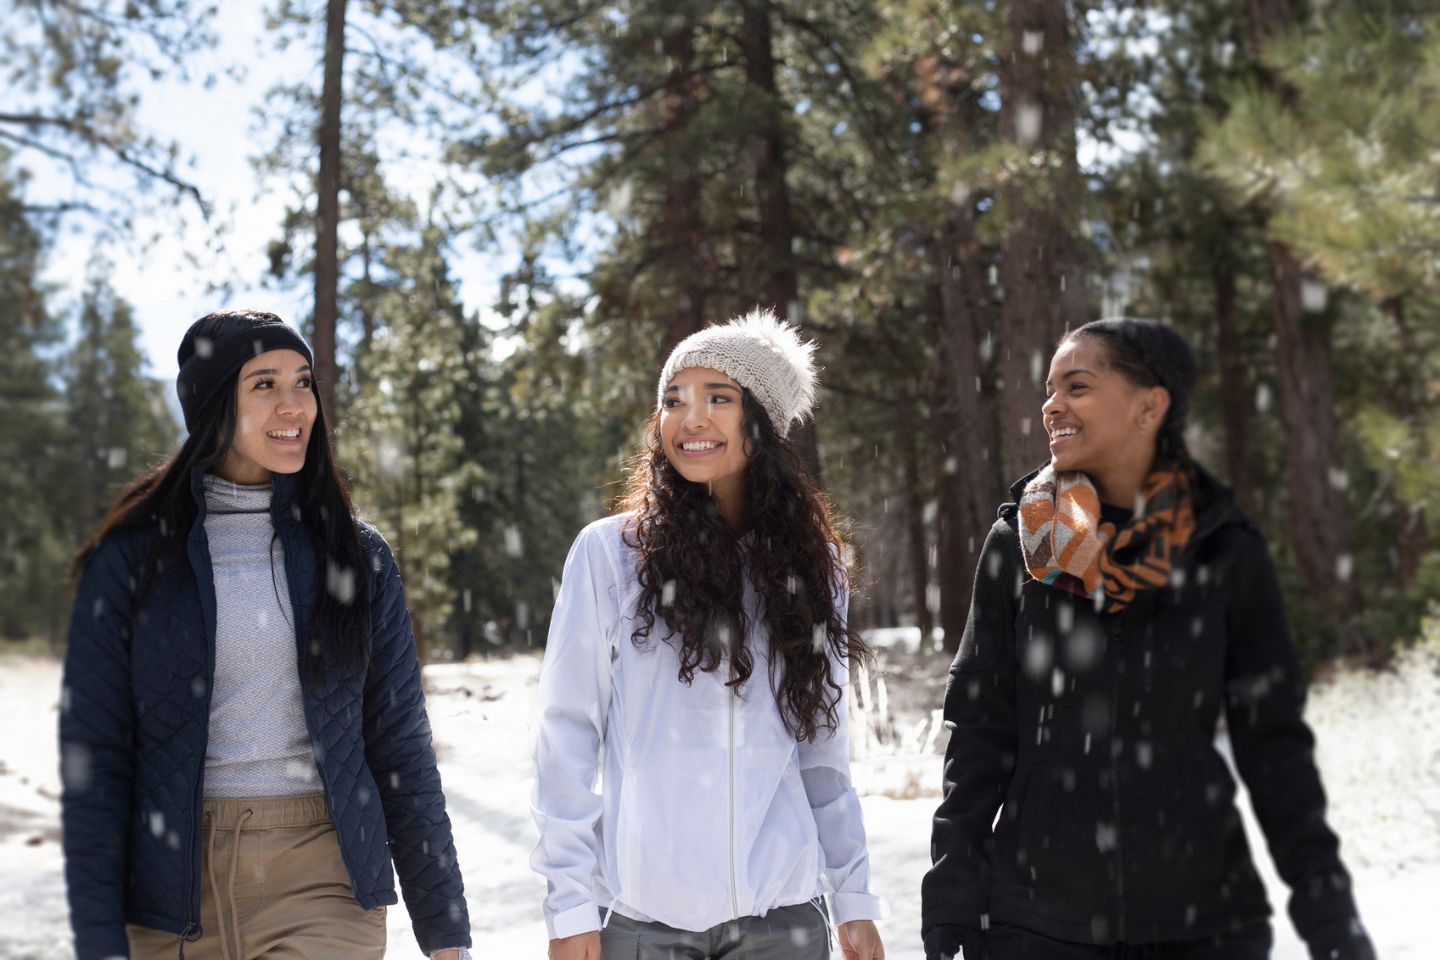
[710,809]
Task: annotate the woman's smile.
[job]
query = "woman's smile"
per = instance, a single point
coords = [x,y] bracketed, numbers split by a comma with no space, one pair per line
[1061,435]
[286,436]
[700,448]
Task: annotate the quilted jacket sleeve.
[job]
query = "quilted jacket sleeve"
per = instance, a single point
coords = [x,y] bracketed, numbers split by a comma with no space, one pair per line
[97,753]
[1274,751]
[401,757]
[980,712]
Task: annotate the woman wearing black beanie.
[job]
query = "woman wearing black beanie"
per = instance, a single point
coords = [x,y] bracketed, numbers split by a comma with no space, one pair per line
[1122,603]
[243,736]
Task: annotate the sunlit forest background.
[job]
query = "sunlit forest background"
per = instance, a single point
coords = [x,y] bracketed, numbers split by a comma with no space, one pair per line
[933,190]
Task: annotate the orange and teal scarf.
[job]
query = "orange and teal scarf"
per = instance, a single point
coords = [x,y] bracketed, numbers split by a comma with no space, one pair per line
[1066,544]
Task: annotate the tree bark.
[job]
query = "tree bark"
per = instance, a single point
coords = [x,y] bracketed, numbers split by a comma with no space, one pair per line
[964,407]
[1319,520]
[1412,527]
[915,527]
[1234,387]
[779,280]
[327,211]
[966,416]
[1042,265]
[682,228]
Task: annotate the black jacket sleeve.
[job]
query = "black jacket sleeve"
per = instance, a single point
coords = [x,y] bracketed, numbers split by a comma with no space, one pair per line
[97,753]
[1274,751]
[401,756]
[980,712]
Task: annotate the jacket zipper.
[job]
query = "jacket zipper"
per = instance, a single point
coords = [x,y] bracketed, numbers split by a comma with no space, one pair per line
[206,588]
[730,743]
[1115,777]
[306,695]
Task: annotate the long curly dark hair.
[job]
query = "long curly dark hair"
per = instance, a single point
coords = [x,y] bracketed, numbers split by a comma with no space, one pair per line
[693,567]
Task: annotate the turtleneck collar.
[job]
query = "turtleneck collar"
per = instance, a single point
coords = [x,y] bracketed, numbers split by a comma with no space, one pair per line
[224,497]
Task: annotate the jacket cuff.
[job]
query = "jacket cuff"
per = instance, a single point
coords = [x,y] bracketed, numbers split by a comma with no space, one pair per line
[1341,941]
[952,915]
[858,906]
[581,919]
[102,946]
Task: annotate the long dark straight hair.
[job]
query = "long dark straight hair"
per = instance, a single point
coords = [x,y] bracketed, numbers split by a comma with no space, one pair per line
[693,567]
[160,501]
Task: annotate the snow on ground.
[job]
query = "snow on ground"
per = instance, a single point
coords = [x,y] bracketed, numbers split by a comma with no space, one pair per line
[1379,749]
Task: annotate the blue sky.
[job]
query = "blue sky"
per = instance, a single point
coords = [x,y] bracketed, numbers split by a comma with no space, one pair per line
[167,271]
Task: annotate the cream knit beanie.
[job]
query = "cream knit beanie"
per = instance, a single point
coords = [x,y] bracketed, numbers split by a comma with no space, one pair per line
[763,355]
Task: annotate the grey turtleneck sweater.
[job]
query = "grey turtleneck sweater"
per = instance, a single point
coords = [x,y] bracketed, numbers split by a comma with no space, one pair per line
[259,744]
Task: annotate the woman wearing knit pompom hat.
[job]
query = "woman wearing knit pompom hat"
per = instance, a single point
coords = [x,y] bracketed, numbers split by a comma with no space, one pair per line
[697,665]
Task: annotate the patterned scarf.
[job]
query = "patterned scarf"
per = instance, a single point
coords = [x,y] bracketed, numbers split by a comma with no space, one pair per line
[1066,545]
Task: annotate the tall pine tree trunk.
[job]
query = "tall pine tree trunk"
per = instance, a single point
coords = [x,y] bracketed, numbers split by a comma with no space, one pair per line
[327,210]
[1412,528]
[1042,266]
[1234,386]
[966,417]
[780,279]
[682,228]
[1319,521]
[915,525]
[780,282]
[964,407]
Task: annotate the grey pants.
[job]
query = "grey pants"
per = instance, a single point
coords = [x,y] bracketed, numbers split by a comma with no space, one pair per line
[799,932]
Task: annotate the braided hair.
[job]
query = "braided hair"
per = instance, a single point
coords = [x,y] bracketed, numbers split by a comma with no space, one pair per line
[1150,354]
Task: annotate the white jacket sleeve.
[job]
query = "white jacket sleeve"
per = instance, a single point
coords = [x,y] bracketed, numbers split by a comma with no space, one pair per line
[825,771]
[573,703]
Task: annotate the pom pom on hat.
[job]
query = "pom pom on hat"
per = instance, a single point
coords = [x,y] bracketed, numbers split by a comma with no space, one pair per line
[761,353]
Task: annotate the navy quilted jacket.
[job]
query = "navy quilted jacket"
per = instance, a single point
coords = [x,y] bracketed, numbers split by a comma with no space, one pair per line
[134,724]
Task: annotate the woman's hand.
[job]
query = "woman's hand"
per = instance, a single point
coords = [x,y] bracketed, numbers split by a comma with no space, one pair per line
[859,940]
[582,946]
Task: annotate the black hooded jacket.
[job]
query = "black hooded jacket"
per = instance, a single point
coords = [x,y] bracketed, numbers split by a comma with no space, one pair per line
[1093,734]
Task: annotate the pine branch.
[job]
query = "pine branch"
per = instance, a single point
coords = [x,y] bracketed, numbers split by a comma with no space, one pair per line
[94,138]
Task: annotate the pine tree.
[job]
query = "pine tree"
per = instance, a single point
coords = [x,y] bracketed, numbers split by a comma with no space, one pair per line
[392,85]
[33,542]
[402,446]
[1330,140]
[70,108]
[1043,269]
[119,423]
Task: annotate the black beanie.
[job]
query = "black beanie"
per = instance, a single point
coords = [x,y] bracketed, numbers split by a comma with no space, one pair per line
[218,344]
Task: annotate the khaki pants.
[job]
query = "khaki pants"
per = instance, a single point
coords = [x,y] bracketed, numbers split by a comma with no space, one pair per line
[272,885]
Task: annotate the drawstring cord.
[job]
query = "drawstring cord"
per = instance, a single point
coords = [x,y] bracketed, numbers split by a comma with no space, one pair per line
[831,931]
[215,886]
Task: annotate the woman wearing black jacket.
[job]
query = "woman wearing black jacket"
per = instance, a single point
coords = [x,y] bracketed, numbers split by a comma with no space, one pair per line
[243,737]
[1121,604]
